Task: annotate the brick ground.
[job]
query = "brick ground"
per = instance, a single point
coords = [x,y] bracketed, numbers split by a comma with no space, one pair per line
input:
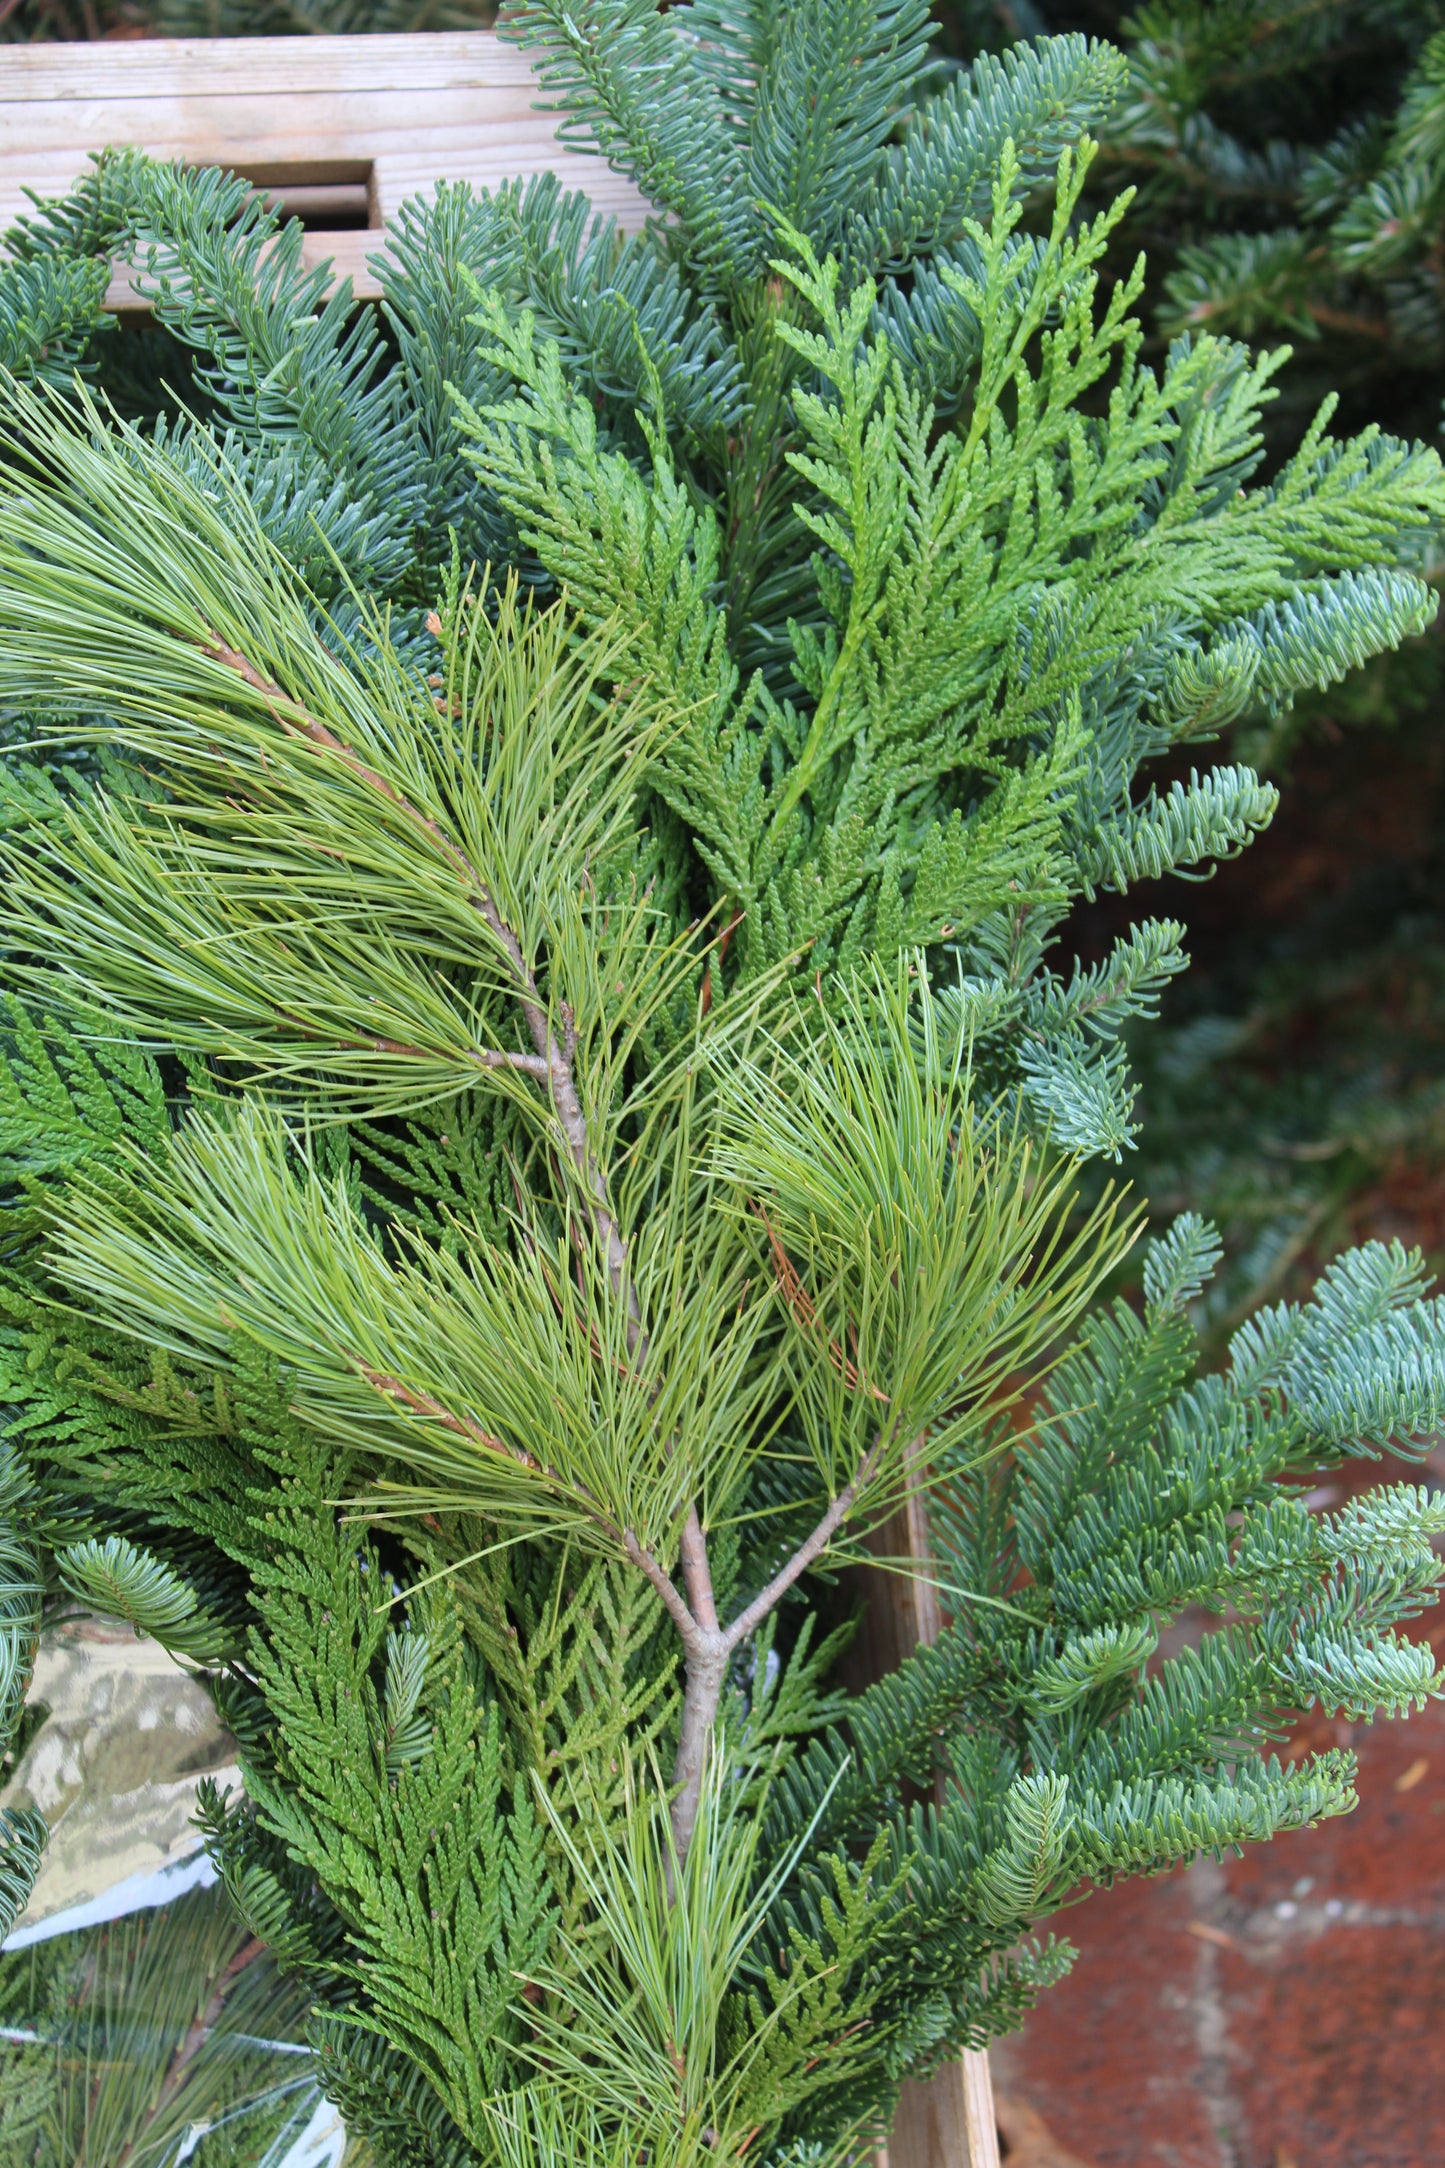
[1278,2011]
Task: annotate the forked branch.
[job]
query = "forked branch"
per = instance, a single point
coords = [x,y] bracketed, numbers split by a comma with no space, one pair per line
[807,1553]
[707,1644]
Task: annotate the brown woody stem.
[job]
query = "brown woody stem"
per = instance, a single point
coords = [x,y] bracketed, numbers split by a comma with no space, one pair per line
[708,1646]
[807,1553]
[706,1670]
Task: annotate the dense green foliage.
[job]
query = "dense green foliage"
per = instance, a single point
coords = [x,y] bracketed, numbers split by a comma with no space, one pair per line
[29,20]
[1288,160]
[1294,1082]
[536,1103]
[1291,182]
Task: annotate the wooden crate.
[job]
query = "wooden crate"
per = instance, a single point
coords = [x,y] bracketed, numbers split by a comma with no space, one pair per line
[342,130]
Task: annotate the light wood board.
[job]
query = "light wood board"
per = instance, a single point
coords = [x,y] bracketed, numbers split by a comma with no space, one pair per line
[402,112]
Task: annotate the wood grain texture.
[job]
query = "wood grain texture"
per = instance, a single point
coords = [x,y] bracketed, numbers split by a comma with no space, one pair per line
[407,111]
[188,67]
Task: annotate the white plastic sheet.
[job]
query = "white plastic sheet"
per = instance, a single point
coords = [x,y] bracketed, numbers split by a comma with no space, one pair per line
[137,1893]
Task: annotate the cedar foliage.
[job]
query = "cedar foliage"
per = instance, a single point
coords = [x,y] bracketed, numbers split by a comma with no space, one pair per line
[537,1100]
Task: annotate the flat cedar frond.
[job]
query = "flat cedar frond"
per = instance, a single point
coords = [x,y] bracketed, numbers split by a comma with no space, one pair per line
[539,1101]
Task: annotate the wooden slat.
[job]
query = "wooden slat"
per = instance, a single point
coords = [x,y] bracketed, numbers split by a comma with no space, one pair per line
[409,111]
[210,67]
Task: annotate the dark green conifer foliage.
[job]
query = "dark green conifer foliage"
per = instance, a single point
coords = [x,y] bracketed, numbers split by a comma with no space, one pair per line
[29,20]
[1294,1085]
[1291,183]
[527,1119]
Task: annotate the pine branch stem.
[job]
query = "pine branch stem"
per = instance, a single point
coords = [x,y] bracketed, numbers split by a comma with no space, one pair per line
[706,1650]
[709,1647]
[567,1106]
[425,1404]
[553,1060]
[807,1553]
[485,1057]
[707,1665]
[673,1600]
[697,1574]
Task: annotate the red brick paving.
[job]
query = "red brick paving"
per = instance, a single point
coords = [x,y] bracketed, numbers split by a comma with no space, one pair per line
[1302,2029]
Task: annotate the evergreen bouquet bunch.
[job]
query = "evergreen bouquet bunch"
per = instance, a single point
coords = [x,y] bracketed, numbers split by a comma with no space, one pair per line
[537,1104]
